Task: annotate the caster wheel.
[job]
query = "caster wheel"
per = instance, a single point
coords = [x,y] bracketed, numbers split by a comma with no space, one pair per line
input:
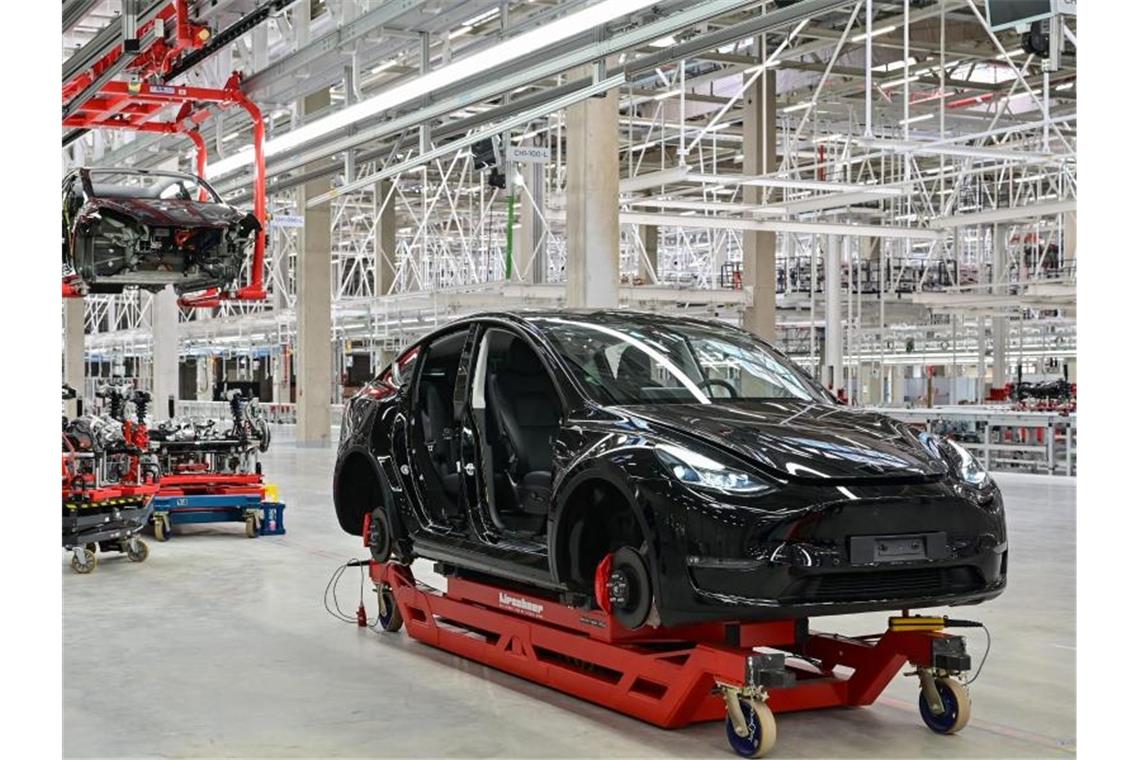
[956,704]
[761,730]
[380,536]
[389,618]
[83,561]
[161,530]
[137,550]
[629,589]
[251,529]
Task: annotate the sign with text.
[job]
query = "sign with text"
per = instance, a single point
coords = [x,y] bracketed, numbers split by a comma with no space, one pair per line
[528,154]
[286,220]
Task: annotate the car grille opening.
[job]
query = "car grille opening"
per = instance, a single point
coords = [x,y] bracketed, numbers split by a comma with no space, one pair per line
[888,584]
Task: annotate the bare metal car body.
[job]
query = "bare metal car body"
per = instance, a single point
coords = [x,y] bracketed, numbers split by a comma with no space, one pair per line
[136,228]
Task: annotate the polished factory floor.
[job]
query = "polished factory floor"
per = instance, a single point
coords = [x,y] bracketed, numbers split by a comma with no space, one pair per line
[220,646]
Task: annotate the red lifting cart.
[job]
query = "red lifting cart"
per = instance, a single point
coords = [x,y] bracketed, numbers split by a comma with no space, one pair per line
[741,673]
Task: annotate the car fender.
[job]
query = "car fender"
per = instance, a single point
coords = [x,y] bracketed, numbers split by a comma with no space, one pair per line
[389,503]
[602,469]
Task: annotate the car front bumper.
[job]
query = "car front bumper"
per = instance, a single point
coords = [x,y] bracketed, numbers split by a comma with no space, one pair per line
[801,552]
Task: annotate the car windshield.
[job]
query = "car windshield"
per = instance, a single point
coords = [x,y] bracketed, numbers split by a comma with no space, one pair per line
[641,361]
[109,183]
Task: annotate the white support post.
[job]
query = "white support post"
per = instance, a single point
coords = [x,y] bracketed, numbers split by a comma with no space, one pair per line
[164,368]
[759,270]
[314,309]
[833,318]
[592,231]
[1000,280]
[74,312]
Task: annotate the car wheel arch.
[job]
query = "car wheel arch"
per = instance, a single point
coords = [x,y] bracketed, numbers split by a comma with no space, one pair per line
[359,476]
[571,507]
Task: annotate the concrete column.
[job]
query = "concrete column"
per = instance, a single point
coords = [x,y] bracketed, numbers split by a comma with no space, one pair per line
[281,370]
[204,384]
[759,273]
[647,264]
[1069,238]
[74,311]
[982,359]
[1000,286]
[164,350]
[898,385]
[832,316]
[592,240]
[384,266]
[314,308]
[529,254]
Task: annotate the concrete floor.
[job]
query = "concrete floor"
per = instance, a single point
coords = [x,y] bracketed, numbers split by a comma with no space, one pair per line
[220,646]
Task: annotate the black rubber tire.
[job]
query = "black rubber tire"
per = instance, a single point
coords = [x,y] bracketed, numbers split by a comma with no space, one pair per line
[632,566]
[380,536]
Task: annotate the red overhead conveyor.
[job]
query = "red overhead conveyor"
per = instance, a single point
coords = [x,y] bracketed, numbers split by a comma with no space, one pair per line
[91,103]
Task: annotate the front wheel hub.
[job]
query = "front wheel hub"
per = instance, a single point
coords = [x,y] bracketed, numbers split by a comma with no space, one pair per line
[619,589]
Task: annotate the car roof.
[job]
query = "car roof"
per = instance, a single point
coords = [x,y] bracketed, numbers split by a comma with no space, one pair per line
[600,316]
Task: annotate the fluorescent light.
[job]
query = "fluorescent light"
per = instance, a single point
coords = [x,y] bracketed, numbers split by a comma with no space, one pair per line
[714,128]
[1065,86]
[875,33]
[386,65]
[664,42]
[916,119]
[459,32]
[666,95]
[799,106]
[511,49]
[899,82]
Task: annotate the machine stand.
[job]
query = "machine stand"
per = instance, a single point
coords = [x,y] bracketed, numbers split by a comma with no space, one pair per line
[742,673]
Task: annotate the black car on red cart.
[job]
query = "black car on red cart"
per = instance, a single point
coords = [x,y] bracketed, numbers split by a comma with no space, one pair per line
[673,470]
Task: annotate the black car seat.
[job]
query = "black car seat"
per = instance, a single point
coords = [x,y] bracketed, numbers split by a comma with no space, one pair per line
[438,436]
[526,411]
[635,371]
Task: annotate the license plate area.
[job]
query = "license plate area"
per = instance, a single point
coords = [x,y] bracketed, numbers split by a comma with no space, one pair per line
[913,547]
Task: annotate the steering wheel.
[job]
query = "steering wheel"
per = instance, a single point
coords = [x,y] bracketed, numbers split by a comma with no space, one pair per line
[709,382]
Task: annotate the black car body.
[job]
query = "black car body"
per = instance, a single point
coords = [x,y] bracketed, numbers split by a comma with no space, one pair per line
[530,447]
[137,228]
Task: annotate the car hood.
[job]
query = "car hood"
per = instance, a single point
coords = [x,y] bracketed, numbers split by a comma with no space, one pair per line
[804,440]
[170,213]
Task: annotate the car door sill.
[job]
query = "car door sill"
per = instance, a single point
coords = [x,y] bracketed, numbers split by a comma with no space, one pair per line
[481,563]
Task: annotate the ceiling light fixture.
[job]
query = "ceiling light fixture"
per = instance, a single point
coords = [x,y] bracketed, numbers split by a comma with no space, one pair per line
[916,119]
[511,49]
[799,106]
[874,34]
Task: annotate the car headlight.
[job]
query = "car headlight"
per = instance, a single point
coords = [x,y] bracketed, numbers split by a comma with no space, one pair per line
[700,471]
[969,469]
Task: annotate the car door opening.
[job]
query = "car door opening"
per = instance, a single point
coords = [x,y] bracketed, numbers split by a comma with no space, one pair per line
[521,414]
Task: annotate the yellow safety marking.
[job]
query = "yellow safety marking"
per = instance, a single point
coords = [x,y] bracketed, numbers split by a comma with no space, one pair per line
[271,492]
[916,623]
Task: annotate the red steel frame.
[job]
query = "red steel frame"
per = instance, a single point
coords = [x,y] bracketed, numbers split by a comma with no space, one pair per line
[211,484]
[666,677]
[134,106]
